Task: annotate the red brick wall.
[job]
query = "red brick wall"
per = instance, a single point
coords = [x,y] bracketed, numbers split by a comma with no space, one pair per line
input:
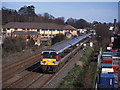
[26,36]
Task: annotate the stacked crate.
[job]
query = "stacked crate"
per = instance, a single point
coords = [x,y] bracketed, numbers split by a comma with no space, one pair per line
[109,70]
[115,64]
[107,79]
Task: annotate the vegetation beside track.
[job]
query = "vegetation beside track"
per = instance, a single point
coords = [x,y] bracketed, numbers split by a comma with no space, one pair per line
[79,75]
[94,75]
[19,55]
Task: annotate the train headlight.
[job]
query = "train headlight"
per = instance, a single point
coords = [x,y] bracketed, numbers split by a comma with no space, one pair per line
[53,61]
[44,61]
[49,60]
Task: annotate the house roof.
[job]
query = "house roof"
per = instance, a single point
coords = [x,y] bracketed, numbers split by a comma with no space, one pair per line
[26,32]
[69,27]
[34,25]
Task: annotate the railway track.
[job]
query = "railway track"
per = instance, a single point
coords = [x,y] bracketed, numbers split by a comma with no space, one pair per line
[18,67]
[23,73]
[39,81]
[31,77]
[27,78]
[19,61]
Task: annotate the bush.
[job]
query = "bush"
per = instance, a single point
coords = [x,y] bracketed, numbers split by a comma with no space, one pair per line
[13,45]
[30,43]
[58,38]
[75,76]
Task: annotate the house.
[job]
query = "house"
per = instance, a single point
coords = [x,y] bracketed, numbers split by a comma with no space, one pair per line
[46,30]
[83,31]
[27,35]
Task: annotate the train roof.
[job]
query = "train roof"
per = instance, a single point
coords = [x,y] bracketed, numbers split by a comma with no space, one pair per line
[61,47]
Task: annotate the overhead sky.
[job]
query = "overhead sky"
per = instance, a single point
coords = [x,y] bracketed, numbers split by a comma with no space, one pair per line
[90,11]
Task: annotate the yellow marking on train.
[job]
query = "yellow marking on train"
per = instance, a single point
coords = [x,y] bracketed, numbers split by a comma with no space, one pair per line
[49,61]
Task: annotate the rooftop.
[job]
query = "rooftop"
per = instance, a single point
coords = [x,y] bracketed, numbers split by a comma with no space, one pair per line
[34,25]
[26,32]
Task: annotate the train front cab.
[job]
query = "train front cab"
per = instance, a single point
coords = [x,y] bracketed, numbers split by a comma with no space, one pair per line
[49,60]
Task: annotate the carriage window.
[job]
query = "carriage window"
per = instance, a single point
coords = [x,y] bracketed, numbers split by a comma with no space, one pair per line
[46,55]
[51,55]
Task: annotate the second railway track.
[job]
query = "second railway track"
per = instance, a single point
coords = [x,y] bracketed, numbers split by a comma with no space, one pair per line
[24,73]
[33,76]
[19,66]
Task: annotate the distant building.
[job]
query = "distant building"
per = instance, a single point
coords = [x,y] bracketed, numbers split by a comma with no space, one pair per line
[111,28]
[27,35]
[47,30]
[83,31]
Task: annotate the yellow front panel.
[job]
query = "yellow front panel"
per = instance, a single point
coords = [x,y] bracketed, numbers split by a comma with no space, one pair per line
[49,61]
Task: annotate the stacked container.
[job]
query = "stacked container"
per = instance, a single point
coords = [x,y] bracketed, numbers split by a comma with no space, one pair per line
[107,80]
[107,71]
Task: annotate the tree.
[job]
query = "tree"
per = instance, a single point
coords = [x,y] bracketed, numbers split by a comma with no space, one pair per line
[27,10]
[71,21]
[9,15]
[78,23]
[31,42]
[81,23]
[103,34]
[95,22]
[58,38]
[59,20]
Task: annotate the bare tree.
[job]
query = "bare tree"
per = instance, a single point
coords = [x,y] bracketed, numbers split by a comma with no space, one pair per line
[103,34]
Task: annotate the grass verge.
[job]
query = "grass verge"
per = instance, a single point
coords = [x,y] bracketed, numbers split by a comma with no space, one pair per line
[75,76]
[94,75]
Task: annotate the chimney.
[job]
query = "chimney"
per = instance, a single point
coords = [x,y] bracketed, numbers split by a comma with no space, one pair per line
[115,25]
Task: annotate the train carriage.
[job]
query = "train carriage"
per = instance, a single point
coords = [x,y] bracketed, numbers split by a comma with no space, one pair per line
[51,58]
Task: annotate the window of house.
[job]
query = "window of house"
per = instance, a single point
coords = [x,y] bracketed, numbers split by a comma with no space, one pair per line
[23,28]
[15,28]
[60,30]
[45,29]
[4,29]
[38,30]
[8,28]
[45,34]
[42,34]
[27,29]
[38,36]
[50,35]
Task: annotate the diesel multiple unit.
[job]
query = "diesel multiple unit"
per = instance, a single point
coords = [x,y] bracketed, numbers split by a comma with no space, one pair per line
[52,57]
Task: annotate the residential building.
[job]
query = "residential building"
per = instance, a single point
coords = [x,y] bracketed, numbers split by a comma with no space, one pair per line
[47,30]
[27,35]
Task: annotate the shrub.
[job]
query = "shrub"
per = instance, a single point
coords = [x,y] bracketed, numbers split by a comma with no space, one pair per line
[58,38]
[13,45]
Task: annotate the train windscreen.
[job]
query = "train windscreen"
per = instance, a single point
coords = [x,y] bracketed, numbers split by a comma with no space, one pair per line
[51,55]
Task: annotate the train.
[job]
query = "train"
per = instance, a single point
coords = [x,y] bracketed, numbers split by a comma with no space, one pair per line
[52,58]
